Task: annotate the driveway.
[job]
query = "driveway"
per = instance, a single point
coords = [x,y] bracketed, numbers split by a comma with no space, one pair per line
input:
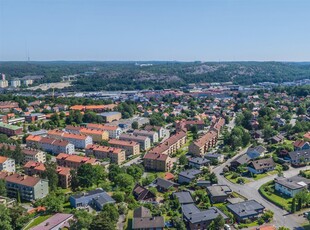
[250,191]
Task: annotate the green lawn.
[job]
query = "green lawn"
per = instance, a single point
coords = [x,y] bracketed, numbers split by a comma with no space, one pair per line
[37,221]
[128,224]
[252,224]
[228,177]
[274,197]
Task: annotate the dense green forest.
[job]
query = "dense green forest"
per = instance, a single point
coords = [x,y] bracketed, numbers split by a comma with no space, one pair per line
[159,75]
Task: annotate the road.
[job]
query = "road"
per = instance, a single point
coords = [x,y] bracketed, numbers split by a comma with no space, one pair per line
[133,161]
[250,191]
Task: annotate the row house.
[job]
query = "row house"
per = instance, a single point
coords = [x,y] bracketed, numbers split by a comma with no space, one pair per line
[78,140]
[35,168]
[74,161]
[113,130]
[131,147]
[50,145]
[145,142]
[29,188]
[172,144]
[151,134]
[116,155]
[201,145]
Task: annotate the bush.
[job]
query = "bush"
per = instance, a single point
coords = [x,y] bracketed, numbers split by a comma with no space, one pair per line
[260,221]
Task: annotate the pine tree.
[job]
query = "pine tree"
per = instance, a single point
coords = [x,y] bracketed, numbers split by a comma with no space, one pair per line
[293,206]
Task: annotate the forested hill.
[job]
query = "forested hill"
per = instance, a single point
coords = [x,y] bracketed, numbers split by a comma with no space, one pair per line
[131,75]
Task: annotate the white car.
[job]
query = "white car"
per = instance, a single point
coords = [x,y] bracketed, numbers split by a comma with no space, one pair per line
[227,227]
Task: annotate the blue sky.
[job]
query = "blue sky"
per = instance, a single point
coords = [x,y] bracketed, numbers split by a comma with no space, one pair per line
[184,30]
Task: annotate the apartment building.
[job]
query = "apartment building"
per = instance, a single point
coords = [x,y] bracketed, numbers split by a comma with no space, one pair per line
[187,124]
[130,147]
[29,154]
[78,140]
[7,164]
[34,155]
[35,168]
[116,155]
[113,130]
[97,135]
[157,162]
[6,106]
[202,144]
[111,116]
[74,161]
[172,144]
[10,130]
[96,108]
[218,125]
[151,134]
[162,132]
[35,117]
[50,145]
[29,188]
[145,142]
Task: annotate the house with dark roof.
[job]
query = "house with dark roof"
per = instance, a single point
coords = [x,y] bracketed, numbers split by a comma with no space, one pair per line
[291,186]
[261,166]
[164,185]
[198,162]
[143,194]
[249,209]
[218,193]
[256,152]
[143,220]
[277,139]
[215,157]
[301,145]
[187,176]
[96,198]
[184,197]
[240,160]
[300,157]
[200,219]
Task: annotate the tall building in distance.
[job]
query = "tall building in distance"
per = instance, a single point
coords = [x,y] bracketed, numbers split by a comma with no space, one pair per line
[15,83]
[3,82]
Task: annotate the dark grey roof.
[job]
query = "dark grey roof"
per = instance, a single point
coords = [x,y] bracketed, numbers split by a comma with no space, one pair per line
[296,155]
[260,149]
[295,182]
[144,220]
[103,199]
[184,197]
[142,212]
[199,160]
[262,163]
[219,190]
[195,215]
[213,155]
[90,193]
[190,173]
[166,184]
[243,159]
[246,208]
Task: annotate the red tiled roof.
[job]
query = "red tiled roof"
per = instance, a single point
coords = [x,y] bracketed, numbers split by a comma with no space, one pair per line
[121,142]
[3,159]
[105,149]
